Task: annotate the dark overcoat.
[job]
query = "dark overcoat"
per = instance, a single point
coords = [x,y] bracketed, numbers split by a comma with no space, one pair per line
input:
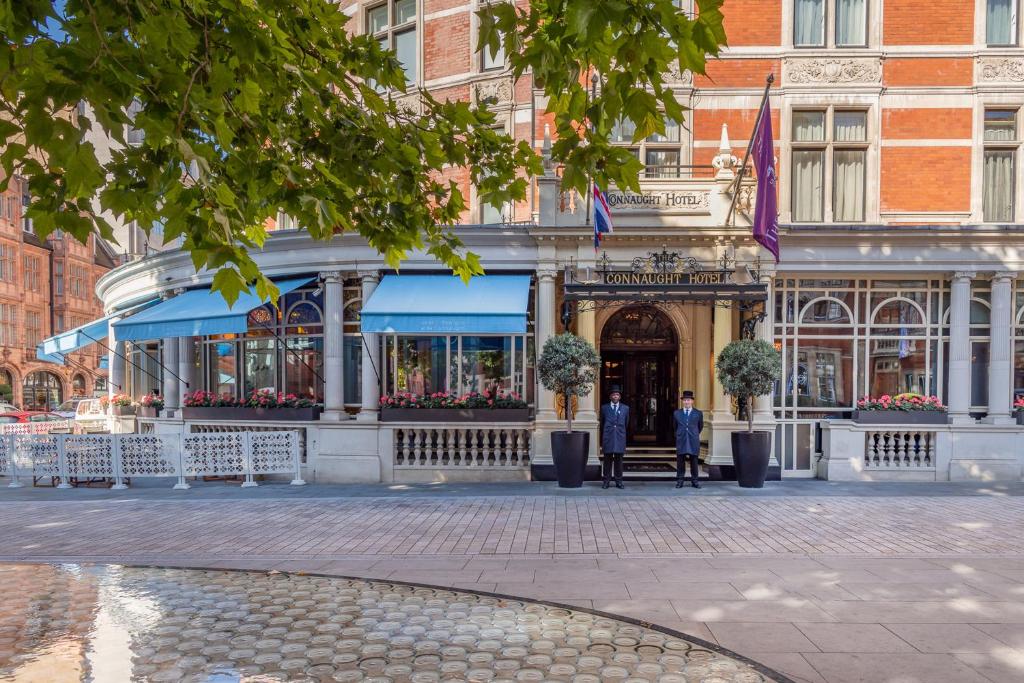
[688,431]
[613,428]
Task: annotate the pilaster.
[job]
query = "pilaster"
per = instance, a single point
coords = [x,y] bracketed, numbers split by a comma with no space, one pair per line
[371,358]
[1001,350]
[334,370]
[959,389]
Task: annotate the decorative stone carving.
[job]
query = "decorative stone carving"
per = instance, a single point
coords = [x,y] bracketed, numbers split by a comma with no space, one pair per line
[1002,69]
[675,75]
[862,70]
[493,92]
[409,103]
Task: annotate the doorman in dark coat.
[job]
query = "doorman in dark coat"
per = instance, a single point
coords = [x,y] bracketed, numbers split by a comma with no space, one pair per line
[689,423]
[614,420]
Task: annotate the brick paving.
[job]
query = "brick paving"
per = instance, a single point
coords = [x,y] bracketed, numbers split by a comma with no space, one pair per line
[822,584]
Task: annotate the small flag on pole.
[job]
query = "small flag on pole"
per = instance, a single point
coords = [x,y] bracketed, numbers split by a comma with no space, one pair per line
[766,212]
[602,217]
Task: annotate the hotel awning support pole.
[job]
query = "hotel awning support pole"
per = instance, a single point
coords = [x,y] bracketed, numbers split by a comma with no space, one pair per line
[750,147]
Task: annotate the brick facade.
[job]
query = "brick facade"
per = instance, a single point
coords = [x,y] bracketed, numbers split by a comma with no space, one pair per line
[46,287]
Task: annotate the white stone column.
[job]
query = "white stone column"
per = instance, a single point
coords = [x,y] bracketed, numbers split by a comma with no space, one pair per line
[721,410]
[186,360]
[334,331]
[763,331]
[546,324]
[169,361]
[1001,350]
[588,405]
[959,389]
[702,356]
[117,380]
[371,358]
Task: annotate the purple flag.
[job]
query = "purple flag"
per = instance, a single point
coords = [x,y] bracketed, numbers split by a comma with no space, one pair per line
[766,212]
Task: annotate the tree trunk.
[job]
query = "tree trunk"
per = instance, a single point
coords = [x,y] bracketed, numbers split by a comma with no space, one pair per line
[750,414]
[568,411]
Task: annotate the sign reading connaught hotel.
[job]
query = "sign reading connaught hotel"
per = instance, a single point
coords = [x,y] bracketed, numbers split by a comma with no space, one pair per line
[880,310]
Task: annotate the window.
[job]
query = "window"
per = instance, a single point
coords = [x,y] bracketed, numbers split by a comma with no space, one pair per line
[1000,23]
[829,147]
[59,323]
[394,25]
[662,154]
[31,268]
[42,391]
[285,222]
[489,62]
[58,277]
[33,329]
[8,325]
[7,271]
[353,344]
[26,199]
[999,165]
[134,136]
[813,25]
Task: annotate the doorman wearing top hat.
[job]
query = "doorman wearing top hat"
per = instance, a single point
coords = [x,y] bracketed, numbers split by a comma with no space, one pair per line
[614,420]
[689,423]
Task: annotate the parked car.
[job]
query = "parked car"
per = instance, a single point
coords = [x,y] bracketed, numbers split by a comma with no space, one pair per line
[91,416]
[29,416]
[6,407]
[69,407]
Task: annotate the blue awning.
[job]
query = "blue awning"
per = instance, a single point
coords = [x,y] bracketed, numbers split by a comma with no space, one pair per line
[197,312]
[444,304]
[53,349]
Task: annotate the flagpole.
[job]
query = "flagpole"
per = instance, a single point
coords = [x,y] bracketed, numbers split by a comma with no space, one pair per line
[590,184]
[750,147]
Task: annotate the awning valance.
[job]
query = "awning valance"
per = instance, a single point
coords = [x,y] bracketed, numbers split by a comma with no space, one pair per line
[53,349]
[444,304]
[197,312]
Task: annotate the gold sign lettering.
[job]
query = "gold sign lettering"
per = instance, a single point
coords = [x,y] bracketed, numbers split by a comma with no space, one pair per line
[698,278]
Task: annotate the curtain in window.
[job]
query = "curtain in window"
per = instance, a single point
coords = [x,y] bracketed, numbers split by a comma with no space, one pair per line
[808,181]
[809,22]
[850,126]
[997,199]
[851,22]
[1001,22]
[848,185]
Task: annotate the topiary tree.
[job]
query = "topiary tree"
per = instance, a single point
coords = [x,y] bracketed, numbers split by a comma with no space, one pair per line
[568,366]
[748,368]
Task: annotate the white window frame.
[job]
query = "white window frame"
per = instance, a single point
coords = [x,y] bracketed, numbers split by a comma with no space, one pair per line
[981,26]
[484,54]
[829,145]
[392,30]
[872,29]
[683,146]
[1004,146]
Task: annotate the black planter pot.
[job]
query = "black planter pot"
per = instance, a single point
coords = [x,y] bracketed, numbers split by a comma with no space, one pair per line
[1020,417]
[569,450]
[751,452]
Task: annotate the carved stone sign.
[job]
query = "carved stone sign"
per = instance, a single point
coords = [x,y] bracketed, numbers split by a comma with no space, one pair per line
[1001,69]
[660,201]
[856,70]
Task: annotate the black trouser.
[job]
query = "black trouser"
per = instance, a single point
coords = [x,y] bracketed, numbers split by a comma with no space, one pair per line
[609,460]
[681,466]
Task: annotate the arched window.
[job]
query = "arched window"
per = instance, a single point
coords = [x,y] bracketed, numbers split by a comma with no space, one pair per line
[898,312]
[639,326]
[42,391]
[6,386]
[304,318]
[78,385]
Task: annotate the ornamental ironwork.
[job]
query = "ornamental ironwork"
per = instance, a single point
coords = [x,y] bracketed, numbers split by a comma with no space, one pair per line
[665,262]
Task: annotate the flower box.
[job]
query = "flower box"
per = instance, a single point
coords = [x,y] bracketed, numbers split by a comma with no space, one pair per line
[244,413]
[895,417]
[1020,417]
[454,414]
[145,411]
[122,411]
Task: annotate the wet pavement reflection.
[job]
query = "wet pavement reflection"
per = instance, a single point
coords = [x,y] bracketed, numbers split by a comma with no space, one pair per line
[110,623]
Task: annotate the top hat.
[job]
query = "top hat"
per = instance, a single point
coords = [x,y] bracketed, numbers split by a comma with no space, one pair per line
[687,394]
[615,389]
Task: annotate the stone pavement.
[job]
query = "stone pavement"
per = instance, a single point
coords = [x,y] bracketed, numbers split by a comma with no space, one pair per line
[854,583]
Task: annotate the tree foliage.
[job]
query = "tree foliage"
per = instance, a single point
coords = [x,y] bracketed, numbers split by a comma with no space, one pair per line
[568,366]
[748,368]
[251,107]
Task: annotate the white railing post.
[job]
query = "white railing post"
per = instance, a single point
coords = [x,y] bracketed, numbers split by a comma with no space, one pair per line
[181,485]
[62,462]
[249,482]
[12,462]
[297,460]
[115,447]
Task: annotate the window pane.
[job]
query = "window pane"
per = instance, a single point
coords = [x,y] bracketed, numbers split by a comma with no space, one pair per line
[848,185]
[419,365]
[495,62]
[221,364]
[623,131]
[998,180]
[808,126]
[1018,369]
[850,126]
[353,365]
[405,10]
[851,22]
[980,314]
[377,19]
[826,367]
[662,163]
[486,364]
[808,181]
[405,49]
[1001,22]
[808,22]
[260,365]
[898,366]
[490,214]
[303,361]
[979,373]
[1000,124]
[671,133]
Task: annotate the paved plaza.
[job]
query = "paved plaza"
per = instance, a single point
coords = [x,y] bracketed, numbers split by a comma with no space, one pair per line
[865,582]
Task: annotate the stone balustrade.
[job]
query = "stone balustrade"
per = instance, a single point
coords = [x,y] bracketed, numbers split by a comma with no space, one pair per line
[499,445]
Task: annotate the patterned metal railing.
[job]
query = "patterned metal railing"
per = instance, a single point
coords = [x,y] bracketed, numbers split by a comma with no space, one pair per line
[901,448]
[36,427]
[497,445]
[68,458]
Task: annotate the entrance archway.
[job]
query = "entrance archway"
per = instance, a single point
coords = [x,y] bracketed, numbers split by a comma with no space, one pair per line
[42,391]
[639,354]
